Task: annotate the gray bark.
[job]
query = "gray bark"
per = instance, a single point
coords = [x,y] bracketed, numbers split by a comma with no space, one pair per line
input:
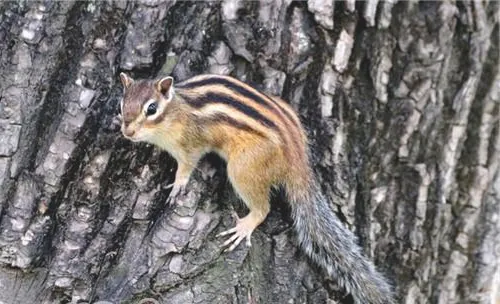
[400,99]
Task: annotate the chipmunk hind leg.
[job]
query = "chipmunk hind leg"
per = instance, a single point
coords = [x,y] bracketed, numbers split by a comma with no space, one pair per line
[252,182]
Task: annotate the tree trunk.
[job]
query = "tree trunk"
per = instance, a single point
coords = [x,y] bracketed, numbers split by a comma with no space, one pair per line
[401,103]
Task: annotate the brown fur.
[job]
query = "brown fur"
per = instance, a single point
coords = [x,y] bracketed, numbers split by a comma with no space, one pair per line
[288,125]
[253,97]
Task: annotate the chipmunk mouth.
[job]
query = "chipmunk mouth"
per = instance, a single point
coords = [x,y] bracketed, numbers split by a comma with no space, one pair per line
[130,133]
[134,138]
[131,137]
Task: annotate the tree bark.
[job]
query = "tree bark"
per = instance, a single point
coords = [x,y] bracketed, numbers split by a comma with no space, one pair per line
[400,100]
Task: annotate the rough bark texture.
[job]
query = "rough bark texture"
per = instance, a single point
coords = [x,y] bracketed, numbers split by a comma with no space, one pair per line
[401,101]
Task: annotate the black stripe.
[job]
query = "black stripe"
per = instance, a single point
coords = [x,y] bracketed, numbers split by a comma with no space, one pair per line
[240,89]
[212,97]
[229,84]
[285,111]
[227,120]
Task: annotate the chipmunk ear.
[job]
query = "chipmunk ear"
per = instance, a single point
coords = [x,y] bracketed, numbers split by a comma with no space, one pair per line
[164,86]
[126,80]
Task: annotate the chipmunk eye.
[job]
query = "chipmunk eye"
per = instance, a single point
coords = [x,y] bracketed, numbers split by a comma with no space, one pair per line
[151,110]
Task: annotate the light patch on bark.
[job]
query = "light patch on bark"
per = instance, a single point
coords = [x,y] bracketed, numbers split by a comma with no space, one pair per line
[384,20]
[370,11]
[343,51]
[230,9]
[323,12]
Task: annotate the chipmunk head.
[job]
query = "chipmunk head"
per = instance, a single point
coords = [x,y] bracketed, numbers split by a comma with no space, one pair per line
[144,106]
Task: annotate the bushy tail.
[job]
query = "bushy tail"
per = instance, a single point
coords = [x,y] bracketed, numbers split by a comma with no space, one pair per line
[333,247]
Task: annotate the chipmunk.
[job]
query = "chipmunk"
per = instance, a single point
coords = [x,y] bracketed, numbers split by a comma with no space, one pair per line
[265,146]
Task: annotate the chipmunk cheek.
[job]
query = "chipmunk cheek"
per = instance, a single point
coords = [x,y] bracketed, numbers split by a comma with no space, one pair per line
[148,127]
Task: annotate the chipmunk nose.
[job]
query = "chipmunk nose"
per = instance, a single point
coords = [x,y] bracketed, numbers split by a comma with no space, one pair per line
[129,132]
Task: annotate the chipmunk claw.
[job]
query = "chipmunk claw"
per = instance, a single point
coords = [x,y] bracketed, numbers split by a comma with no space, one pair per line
[243,230]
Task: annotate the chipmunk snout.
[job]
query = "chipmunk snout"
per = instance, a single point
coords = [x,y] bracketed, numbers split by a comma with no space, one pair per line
[128,131]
